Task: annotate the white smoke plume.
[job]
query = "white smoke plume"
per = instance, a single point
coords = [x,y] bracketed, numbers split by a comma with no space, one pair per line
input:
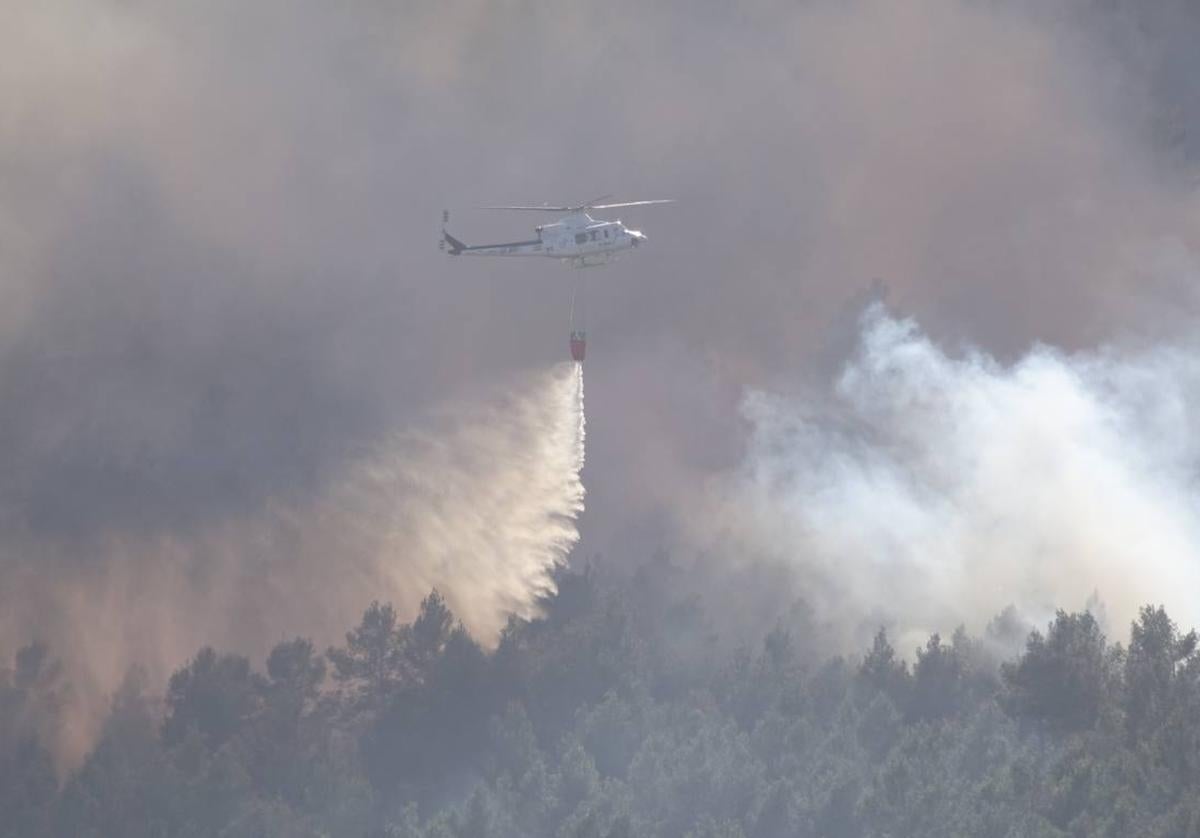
[480,501]
[930,490]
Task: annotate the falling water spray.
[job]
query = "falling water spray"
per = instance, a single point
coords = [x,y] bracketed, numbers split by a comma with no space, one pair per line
[479,500]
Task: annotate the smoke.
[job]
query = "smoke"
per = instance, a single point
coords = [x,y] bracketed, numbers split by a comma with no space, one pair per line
[479,500]
[223,294]
[930,489]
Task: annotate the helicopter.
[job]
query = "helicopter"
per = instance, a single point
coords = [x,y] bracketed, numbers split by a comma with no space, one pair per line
[576,238]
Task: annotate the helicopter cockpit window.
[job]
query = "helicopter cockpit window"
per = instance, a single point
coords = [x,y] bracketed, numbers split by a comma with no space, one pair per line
[580,238]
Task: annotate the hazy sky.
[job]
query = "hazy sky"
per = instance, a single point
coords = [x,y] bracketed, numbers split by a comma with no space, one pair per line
[219,222]
[218,230]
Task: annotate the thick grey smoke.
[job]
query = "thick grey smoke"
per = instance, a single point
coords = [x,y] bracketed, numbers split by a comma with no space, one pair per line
[931,489]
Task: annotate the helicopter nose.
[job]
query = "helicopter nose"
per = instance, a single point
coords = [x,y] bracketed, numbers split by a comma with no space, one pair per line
[638,238]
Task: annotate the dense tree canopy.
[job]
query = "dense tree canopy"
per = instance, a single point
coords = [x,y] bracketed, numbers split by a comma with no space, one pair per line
[598,721]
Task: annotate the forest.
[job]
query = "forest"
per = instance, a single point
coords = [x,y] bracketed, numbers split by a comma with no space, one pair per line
[621,713]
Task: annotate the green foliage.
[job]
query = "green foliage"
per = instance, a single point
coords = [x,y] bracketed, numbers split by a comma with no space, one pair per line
[1064,677]
[882,672]
[212,696]
[433,722]
[938,682]
[372,663]
[1156,659]
[584,724]
[32,697]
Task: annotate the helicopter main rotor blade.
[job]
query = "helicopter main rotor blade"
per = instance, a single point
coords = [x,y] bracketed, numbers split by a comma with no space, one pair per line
[592,203]
[581,207]
[632,204]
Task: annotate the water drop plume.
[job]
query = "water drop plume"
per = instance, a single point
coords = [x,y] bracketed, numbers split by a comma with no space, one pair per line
[479,499]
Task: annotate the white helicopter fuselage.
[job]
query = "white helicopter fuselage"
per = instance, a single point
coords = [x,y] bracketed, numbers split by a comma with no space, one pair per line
[576,238]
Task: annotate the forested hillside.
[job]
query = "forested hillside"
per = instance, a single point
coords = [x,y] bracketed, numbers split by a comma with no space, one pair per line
[619,714]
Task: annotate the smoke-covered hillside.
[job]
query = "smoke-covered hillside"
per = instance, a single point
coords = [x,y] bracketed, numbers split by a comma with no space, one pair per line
[913,350]
[617,715]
